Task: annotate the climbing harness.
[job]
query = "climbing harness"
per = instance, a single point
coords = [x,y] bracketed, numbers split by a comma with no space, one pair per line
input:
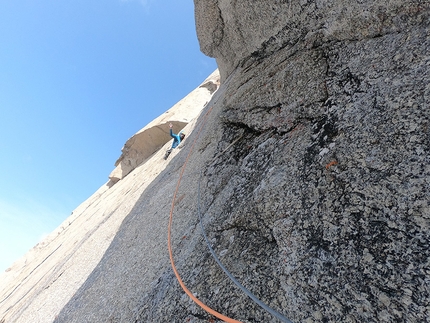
[187,291]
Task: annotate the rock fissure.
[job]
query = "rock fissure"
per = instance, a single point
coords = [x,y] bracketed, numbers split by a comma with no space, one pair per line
[315,190]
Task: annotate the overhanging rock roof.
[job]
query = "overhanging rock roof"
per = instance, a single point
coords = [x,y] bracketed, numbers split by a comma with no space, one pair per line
[155,135]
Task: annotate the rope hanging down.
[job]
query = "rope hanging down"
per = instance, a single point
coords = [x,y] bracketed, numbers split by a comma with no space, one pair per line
[187,291]
[169,240]
[234,280]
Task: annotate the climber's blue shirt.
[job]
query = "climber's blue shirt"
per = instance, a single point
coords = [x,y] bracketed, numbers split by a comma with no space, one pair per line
[176,139]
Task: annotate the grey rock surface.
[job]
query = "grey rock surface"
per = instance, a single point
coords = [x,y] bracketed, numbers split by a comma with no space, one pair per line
[315,187]
[236,30]
[113,245]
[321,205]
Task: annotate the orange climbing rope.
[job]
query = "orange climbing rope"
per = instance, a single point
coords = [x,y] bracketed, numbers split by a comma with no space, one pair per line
[169,239]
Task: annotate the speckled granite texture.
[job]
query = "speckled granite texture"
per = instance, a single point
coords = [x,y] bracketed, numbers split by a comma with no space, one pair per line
[322,206]
[316,175]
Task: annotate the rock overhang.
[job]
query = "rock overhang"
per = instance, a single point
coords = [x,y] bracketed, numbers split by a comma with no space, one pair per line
[156,134]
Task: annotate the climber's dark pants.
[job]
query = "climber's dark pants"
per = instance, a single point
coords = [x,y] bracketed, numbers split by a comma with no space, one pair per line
[168,153]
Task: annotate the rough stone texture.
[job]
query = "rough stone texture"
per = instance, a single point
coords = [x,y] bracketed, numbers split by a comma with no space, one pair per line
[315,193]
[128,214]
[321,206]
[236,30]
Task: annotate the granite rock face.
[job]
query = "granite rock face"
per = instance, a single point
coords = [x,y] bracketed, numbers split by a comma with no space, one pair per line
[97,263]
[317,195]
[236,31]
[155,135]
[310,167]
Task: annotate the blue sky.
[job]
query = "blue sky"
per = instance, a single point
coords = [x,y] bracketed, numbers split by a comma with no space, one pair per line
[77,79]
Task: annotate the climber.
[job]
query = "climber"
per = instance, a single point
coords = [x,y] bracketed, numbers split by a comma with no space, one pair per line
[177,138]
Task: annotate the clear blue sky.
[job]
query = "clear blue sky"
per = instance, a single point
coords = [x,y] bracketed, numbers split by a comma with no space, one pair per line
[77,79]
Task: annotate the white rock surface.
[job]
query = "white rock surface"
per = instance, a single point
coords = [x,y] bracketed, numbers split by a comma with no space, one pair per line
[37,287]
[153,136]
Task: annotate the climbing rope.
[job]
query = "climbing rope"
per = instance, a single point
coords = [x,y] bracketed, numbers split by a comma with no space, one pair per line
[234,280]
[169,239]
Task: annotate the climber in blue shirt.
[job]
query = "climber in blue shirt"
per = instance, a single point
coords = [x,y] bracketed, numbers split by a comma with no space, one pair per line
[177,138]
